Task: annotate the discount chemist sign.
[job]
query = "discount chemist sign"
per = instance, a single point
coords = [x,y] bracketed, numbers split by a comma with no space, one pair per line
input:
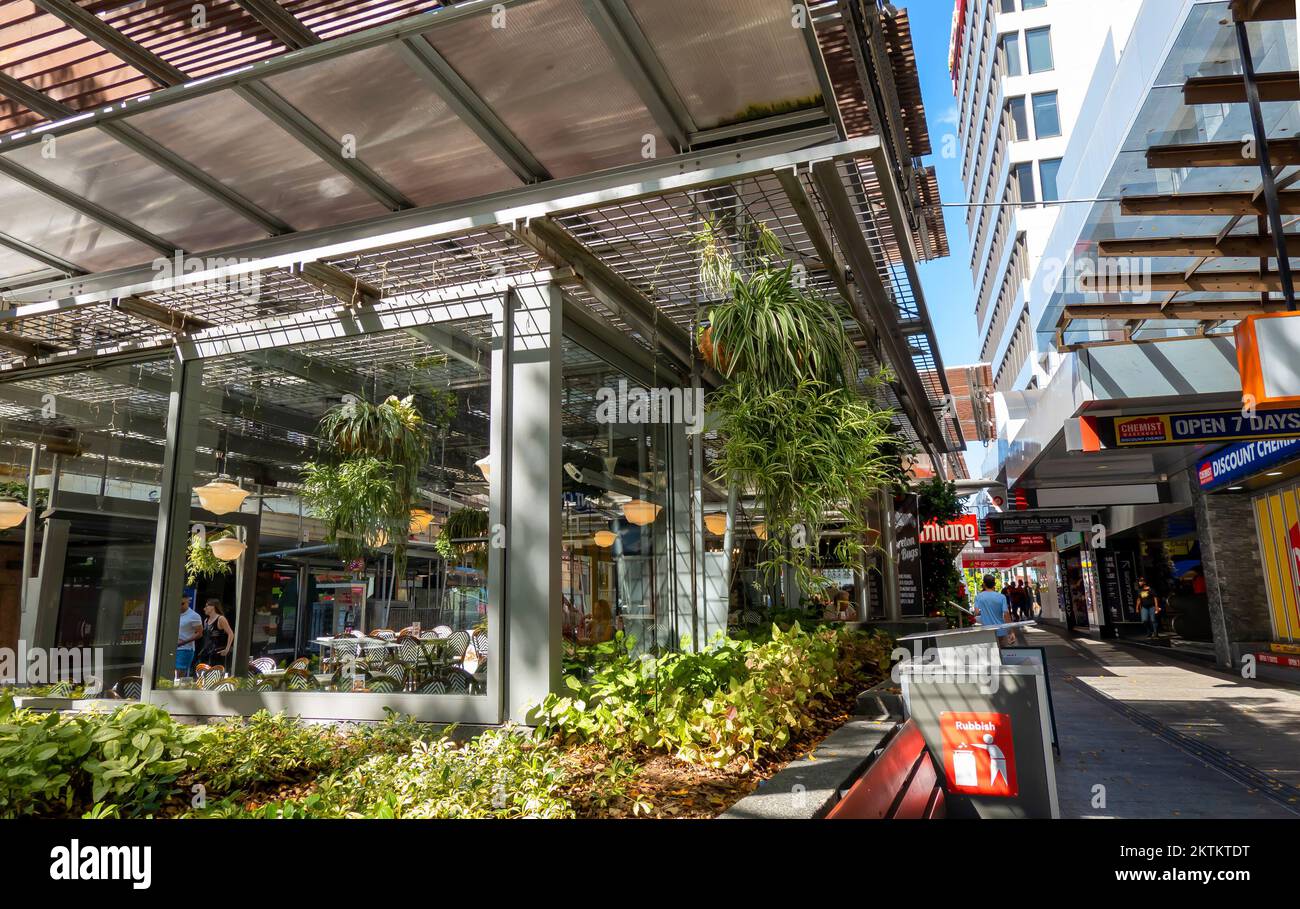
[1194,427]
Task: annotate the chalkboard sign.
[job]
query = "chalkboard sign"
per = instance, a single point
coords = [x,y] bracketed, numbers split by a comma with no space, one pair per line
[907,555]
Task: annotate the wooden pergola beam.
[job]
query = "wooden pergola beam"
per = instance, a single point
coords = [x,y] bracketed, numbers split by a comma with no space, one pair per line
[1232,89]
[1202,247]
[1224,204]
[1262,10]
[1219,311]
[1171,282]
[1282,153]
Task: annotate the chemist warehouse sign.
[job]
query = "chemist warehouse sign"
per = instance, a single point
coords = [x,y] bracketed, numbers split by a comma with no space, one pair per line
[1236,462]
[1188,428]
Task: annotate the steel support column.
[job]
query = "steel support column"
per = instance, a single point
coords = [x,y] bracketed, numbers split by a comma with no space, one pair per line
[168,579]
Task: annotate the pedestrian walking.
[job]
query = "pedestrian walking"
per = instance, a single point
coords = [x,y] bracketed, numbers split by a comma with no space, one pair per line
[1148,608]
[992,608]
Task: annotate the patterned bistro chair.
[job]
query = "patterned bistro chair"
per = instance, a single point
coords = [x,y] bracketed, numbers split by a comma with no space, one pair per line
[433,685]
[410,653]
[457,644]
[61,689]
[300,680]
[262,664]
[384,634]
[262,683]
[229,683]
[458,681]
[128,687]
[442,631]
[382,684]
[303,663]
[481,644]
[343,649]
[209,675]
[374,654]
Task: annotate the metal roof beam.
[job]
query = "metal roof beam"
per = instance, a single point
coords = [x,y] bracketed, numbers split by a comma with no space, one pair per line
[271,105]
[86,208]
[143,145]
[288,29]
[39,255]
[639,64]
[472,110]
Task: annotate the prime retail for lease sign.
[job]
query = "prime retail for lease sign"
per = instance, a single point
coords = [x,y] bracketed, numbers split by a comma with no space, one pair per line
[1189,428]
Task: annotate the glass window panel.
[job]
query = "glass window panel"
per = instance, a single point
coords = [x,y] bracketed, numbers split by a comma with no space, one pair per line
[1047,119]
[1047,172]
[97,167]
[257,159]
[1024,176]
[548,76]
[730,61]
[403,130]
[1011,53]
[340,605]
[1019,118]
[1033,4]
[616,568]
[100,513]
[1038,47]
[1008,6]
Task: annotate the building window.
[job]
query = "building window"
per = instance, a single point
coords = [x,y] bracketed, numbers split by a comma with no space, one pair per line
[1032,4]
[1047,173]
[1011,53]
[1019,118]
[1008,6]
[1038,48]
[1024,177]
[1047,119]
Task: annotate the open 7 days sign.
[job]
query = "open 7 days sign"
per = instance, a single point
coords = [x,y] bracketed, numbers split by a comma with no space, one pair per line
[1186,428]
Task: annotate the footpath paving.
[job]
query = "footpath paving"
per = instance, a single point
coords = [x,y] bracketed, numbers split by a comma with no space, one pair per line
[1166,738]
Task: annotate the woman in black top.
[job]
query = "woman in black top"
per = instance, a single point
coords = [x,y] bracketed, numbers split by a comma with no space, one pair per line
[217,636]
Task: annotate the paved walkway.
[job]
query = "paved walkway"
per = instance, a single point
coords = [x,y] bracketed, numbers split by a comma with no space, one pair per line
[1166,738]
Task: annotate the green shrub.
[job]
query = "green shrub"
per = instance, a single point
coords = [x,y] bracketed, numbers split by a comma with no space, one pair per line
[729,704]
[499,774]
[55,765]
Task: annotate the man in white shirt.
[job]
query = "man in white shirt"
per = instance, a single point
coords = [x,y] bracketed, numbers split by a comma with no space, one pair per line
[191,629]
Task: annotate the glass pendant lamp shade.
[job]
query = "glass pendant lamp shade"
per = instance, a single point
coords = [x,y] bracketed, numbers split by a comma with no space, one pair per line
[716,523]
[603,538]
[641,512]
[12,513]
[484,464]
[760,531]
[221,496]
[227,549]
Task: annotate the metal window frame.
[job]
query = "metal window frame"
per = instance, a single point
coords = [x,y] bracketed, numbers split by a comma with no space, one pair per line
[165,586]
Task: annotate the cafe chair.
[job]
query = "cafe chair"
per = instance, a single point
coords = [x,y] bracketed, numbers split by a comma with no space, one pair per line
[262,664]
[303,663]
[61,689]
[300,680]
[382,684]
[128,688]
[457,644]
[442,631]
[384,634]
[481,644]
[229,683]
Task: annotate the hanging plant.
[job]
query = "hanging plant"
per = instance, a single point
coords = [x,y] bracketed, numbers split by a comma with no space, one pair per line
[363,489]
[201,561]
[468,526]
[795,423]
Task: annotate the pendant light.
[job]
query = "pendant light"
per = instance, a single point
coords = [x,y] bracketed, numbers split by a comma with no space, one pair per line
[221,496]
[12,512]
[603,538]
[641,512]
[716,523]
[227,549]
[760,531]
[484,464]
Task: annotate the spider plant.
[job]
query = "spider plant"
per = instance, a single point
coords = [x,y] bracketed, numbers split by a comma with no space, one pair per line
[464,524]
[364,487]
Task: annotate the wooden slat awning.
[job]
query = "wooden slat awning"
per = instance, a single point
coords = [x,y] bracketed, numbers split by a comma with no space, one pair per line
[1282,153]
[1232,247]
[1284,86]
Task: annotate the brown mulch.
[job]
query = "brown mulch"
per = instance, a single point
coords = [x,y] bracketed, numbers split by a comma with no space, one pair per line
[665,787]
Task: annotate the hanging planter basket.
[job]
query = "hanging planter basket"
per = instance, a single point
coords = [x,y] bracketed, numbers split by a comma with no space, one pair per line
[710,352]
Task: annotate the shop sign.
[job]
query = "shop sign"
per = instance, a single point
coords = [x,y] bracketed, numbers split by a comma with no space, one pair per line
[1266,352]
[979,756]
[1019,542]
[1279,659]
[1236,462]
[907,554]
[963,530]
[1195,427]
[1038,523]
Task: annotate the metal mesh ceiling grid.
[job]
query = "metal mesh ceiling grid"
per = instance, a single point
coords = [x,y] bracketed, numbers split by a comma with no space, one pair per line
[243,298]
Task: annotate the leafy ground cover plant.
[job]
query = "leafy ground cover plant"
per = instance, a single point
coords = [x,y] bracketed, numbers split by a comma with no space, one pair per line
[61,765]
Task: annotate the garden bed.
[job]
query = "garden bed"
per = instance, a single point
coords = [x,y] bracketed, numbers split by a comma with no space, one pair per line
[684,735]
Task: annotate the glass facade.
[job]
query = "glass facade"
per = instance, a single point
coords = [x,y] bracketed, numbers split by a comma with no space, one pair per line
[1047,119]
[1038,49]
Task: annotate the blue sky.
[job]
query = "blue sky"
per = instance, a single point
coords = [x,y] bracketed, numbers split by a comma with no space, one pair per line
[946,282]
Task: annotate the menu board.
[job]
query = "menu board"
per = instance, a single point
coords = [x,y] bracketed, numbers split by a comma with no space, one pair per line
[907,555]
